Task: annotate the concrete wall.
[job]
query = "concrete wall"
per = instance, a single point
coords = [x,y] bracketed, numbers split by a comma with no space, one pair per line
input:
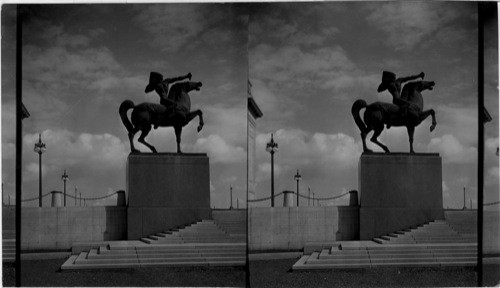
[491,232]
[56,228]
[465,221]
[290,228]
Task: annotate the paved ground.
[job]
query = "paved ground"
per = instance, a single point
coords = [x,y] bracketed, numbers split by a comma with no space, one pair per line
[266,273]
[277,273]
[45,273]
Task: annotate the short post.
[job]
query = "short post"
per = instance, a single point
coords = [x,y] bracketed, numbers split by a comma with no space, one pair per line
[56,198]
[353,198]
[120,199]
[309,196]
[287,198]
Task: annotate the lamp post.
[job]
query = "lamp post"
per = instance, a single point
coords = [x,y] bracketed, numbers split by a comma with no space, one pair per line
[464,200]
[65,177]
[39,148]
[313,198]
[231,206]
[272,147]
[297,178]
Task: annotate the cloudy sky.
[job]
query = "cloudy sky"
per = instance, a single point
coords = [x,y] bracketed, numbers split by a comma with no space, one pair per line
[82,61]
[307,62]
[310,61]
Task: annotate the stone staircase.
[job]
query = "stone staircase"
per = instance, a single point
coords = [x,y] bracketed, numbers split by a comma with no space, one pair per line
[233,222]
[205,231]
[203,243]
[438,231]
[435,244]
[8,245]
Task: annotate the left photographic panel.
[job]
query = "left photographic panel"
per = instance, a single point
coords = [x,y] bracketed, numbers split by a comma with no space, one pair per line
[134,144]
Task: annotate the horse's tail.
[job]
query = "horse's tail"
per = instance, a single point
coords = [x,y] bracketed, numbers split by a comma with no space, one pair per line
[124,107]
[356,107]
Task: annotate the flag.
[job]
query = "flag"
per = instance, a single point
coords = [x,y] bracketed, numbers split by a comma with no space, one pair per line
[249,87]
[24,112]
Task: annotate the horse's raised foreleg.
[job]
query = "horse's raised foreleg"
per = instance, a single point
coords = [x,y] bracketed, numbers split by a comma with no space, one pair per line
[411,131]
[376,132]
[426,114]
[190,116]
[178,132]
[144,133]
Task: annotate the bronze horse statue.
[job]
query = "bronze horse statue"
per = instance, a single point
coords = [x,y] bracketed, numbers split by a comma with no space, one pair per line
[379,113]
[177,116]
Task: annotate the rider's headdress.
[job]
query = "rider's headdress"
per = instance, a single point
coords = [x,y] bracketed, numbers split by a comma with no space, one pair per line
[154,79]
[387,77]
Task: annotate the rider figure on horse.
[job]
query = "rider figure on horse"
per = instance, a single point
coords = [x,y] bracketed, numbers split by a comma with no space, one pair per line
[161,86]
[393,85]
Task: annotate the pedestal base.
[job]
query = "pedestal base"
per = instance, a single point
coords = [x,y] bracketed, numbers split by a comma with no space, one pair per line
[398,191]
[165,191]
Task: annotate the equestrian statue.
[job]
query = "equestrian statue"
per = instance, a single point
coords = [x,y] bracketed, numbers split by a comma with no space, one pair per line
[174,109]
[406,110]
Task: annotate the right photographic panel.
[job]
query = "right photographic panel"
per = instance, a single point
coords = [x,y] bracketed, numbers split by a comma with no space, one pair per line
[363,144]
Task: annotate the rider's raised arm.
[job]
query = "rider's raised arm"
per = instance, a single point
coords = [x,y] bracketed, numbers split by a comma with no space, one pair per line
[175,79]
[409,78]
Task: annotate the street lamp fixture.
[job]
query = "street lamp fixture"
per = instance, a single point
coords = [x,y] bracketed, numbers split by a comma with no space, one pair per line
[65,178]
[297,178]
[39,148]
[272,147]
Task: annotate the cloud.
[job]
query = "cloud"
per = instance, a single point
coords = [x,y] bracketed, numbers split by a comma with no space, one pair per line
[452,150]
[318,152]
[492,176]
[174,26]
[409,24]
[491,145]
[47,67]
[461,122]
[66,148]
[219,150]
[314,68]
[264,171]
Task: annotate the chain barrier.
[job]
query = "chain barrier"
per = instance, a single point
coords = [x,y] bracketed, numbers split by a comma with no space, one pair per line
[34,198]
[321,198]
[91,198]
[71,196]
[266,198]
[491,204]
[300,195]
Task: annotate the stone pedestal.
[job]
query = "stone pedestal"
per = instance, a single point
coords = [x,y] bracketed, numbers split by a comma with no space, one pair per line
[397,191]
[166,190]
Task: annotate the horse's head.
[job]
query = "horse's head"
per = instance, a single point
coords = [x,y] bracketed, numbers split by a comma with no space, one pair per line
[193,86]
[426,85]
